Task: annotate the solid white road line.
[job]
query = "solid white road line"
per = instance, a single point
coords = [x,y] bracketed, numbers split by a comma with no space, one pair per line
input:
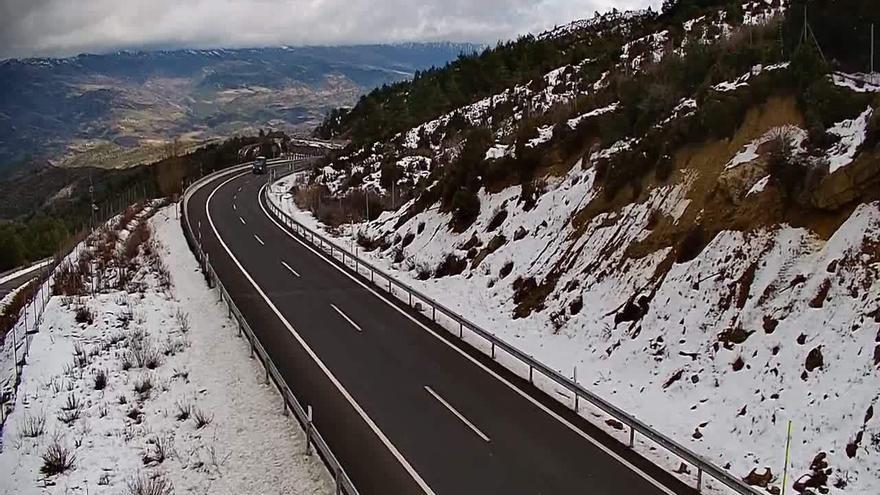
[349,320]
[242,221]
[345,393]
[457,414]
[473,360]
[259,240]
[290,268]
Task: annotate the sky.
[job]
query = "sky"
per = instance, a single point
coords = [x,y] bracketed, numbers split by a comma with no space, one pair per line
[57,28]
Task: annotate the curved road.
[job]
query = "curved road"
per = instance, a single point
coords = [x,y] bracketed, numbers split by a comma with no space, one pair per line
[405,409]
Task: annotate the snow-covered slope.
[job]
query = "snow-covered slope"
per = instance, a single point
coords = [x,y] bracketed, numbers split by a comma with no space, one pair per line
[706,257]
[179,408]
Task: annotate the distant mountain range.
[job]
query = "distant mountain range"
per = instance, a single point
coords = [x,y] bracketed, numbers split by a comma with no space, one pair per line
[118,109]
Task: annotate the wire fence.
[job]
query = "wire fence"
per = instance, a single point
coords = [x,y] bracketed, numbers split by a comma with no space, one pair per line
[343,483]
[517,361]
[15,344]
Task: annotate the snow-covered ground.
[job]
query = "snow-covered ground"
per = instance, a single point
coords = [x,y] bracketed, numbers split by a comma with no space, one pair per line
[150,385]
[760,328]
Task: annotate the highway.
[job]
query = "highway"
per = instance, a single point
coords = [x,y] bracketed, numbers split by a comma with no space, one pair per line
[405,409]
[14,279]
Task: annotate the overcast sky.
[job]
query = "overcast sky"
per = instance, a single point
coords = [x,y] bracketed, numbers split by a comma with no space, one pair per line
[68,27]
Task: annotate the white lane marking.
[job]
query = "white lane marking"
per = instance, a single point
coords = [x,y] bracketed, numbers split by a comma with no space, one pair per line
[290,268]
[458,414]
[357,407]
[473,360]
[259,240]
[239,189]
[242,220]
[234,207]
[349,320]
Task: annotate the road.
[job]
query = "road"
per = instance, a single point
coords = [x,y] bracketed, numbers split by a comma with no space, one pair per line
[404,408]
[14,279]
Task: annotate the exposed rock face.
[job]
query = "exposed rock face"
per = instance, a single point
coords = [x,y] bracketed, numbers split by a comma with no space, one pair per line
[858,181]
[759,479]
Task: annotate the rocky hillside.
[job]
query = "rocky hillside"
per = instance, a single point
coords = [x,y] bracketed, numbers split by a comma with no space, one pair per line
[686,209]
[118,109]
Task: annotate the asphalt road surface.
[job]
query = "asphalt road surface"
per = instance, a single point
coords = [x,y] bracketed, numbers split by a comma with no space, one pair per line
[405,408]
[9,285]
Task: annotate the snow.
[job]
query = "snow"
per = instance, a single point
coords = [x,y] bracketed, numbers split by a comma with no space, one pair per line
[573,123]
[622,145]
[761,12]
[498,151]
[544,135]
[860,83]
[248,447]
[685,107]
[689,25]
[743,80]
[759,186]
[852,134]
[629,364]
[749,152]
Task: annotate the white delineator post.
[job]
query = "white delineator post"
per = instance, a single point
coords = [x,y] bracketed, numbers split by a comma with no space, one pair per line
[309,431]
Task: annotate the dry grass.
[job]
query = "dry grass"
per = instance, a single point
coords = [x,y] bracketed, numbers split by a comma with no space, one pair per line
[57,458]
[201,417]
[150,484]
[100,379]
[32,426]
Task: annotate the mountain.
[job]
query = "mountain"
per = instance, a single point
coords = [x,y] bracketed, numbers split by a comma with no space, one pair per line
[684,206]
[118,109]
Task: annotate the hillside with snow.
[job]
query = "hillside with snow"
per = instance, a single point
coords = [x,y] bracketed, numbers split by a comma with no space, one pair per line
[137,382]
[688,214]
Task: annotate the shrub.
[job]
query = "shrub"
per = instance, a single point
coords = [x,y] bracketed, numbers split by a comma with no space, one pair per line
[100,379]
[84,315]
[497,220]
[142,354]
[57,458]
[451,265]
[158,449]
[33,426]
[465,209]
[144,484]
[183,410]
[143,385]
[201,417]
[69,280]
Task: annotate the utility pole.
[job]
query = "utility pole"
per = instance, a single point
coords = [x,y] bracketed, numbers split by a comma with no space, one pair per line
[872,50]
[92,205]
[787,451]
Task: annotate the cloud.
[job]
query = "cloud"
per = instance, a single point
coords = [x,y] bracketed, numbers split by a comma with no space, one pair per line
[65,27]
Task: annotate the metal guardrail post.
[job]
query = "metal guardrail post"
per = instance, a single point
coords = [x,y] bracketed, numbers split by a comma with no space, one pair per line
[699,479]
[632,435]
[309,430]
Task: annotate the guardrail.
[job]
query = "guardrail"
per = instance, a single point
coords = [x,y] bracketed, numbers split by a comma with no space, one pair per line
[22,332]
[303,415]
[413,297]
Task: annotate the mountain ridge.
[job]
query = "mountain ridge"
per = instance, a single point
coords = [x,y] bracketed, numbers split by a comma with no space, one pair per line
[52,108]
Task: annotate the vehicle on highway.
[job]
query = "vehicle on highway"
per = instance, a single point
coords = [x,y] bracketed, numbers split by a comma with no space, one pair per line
[259,166]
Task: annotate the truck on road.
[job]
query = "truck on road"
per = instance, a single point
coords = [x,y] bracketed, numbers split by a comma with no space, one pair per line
[259,166]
